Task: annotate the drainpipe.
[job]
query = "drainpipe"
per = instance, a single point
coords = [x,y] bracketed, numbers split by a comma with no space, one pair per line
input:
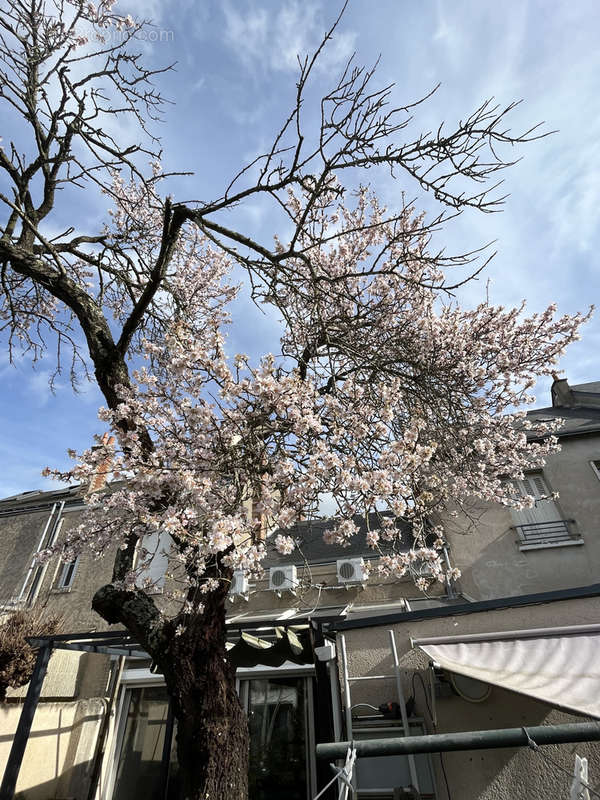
[449,587]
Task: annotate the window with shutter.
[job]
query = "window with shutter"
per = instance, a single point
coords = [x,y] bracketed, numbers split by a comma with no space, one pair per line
[157,546]
[542,525]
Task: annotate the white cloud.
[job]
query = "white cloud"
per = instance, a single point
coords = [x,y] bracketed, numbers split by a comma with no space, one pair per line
[268,39]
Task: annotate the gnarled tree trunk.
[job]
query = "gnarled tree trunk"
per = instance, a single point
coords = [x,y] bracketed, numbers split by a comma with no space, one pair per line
[212,727]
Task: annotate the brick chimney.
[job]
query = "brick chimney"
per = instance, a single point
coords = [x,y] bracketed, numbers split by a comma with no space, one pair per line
[98,480]
[562,394]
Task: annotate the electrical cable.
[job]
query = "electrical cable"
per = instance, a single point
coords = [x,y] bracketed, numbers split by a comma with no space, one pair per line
[532,744]
[536,749]
[434,727]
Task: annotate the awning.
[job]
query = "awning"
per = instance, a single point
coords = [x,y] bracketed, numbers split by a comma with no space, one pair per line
[290,644]
[560,666]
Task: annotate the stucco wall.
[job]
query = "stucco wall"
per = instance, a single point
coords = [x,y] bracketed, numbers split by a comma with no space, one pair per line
[484,543]
[307,598]
[502,774]
[19,539]
[59,754]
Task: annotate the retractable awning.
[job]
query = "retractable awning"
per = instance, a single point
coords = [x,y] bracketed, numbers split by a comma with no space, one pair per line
[289,645]
[560,666]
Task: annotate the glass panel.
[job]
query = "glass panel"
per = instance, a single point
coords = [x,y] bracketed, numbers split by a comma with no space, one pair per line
[139,771]
[67,574]
[277,720]
[392,772]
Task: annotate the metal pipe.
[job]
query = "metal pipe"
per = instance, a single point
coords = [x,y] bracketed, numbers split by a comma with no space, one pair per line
[347,701]
[449,587]
[499,636]
[412,768]
[17,751]
[467,740]
[39,547]
[335,699]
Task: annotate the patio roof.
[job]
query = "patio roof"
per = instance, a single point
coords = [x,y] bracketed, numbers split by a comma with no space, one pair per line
[122,643]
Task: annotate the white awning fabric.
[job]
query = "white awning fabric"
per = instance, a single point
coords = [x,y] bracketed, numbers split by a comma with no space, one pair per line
[560,666]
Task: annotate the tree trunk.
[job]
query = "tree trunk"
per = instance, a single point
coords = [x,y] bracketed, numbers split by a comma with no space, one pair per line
[212,727]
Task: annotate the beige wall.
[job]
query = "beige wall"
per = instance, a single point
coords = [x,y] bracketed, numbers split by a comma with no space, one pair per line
[307,598]
[59,753]
[502,774]
[484,544]
[20,536]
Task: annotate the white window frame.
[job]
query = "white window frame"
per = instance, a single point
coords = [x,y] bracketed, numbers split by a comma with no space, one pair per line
[554,539]
[37,572]
[595,465]
[159,545]
[63,571]
[135,678]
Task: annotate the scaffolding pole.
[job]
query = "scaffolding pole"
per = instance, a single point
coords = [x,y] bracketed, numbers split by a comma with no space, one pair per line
[17,751]
[467,740]
[412,767]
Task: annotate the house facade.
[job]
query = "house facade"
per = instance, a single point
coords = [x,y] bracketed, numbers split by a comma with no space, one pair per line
[320,652]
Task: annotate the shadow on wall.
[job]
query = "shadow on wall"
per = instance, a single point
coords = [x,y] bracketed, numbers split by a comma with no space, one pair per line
[506,773]
[502,570]
[58,789]
[60,754]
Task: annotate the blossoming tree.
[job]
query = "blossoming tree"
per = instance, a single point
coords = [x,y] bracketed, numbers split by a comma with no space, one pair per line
[382,393]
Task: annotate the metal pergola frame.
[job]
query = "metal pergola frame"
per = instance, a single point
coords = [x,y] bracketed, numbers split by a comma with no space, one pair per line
[115,643]
[121,643]
[111,643]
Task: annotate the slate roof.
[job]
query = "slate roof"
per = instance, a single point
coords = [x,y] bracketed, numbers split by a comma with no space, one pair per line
[37,500]
[316,551]
[579,419]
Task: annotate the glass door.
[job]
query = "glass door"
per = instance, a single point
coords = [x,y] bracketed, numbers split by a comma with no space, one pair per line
[281,741]
[139,770]
[280,737]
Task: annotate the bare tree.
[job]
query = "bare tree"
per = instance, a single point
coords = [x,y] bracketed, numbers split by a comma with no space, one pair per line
[68,73]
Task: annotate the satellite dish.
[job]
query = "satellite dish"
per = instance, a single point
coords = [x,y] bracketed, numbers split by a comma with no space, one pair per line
[469,688]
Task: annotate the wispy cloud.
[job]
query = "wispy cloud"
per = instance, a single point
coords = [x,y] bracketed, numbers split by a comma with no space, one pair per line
[266,38]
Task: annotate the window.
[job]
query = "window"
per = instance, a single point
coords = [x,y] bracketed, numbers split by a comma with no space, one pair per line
[66,574]
[153,554]
[542,525]
[278,721]
[141,770]
[595,465]
[35,575]
[282,741]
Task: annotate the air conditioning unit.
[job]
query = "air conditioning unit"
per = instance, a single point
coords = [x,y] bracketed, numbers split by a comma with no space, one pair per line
[283,577]
[351,570]
[239,583]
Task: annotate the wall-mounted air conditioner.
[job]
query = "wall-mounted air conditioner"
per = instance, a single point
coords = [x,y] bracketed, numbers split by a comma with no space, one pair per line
[239,584]
[351,570]
[282,578]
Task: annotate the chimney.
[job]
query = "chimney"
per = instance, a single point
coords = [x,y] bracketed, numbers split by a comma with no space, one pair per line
[562,394]
[98,479]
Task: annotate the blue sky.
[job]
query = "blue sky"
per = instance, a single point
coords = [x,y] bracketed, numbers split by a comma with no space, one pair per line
[234,80]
